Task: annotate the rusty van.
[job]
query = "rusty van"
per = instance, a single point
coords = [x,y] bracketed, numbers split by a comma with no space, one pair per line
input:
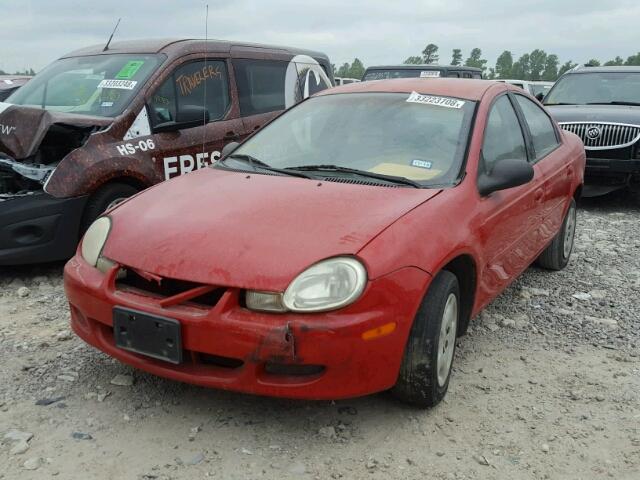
[97,126]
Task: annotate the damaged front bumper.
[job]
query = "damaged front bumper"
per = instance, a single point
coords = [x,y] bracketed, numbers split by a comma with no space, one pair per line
[331,355]
[36,227]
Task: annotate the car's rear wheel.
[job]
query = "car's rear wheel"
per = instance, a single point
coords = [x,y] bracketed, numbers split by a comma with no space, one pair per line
[556,255]
[104,198]
[426,366]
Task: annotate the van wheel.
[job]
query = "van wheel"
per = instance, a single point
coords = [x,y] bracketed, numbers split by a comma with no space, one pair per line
[556,255]
[104,198]
[426,367]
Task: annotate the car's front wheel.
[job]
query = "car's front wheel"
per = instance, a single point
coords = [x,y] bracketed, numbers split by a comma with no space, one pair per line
[556,255]
[426,366]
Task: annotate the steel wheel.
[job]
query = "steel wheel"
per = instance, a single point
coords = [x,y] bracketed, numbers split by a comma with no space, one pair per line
[447,338]
[569,231]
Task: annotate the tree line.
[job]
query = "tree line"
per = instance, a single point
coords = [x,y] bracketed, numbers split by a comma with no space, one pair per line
[28,71]
[535,65]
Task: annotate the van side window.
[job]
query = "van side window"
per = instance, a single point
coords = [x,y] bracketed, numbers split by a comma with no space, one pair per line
[503,138]
[260,85]
[195,83]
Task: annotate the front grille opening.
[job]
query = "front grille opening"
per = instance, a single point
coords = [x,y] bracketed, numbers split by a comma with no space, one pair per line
[218,361]
[168,287]
[273,368]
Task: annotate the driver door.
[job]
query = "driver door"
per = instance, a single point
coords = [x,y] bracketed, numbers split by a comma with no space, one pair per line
[195,83]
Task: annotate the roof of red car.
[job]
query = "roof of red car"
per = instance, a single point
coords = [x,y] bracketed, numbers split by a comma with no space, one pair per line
[450,87]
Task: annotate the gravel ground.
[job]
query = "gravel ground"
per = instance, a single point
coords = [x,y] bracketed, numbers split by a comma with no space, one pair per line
[546,385]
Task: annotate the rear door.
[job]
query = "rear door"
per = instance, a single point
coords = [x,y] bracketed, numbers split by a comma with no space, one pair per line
[198,82]
[551,159]
[261,86]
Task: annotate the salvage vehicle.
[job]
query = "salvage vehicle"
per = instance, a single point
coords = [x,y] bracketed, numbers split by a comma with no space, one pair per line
[420,71]
[602,106]
[341,249]
[11,83]
[99,125]
[338,81]
[538,89]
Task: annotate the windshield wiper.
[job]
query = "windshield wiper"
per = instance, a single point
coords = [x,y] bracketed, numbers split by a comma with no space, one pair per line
[355,171]
[559,103]
[259,164]
[616,102]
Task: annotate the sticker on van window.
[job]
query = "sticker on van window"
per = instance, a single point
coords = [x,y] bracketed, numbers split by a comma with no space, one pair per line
[421,164]
[119,84]
[429,73]
[129,70]
[415,97]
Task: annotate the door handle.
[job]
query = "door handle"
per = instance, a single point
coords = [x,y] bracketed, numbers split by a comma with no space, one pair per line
[231,136]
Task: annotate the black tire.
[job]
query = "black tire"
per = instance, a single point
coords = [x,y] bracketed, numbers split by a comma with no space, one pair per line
[102,199]
[556,256]
[418,382]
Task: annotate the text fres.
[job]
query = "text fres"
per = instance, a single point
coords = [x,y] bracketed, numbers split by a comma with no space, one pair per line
[174,166]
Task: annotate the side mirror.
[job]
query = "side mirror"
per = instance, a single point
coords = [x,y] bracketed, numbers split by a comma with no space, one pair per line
[540,97]
[188,116]
[506,173]
[228,148]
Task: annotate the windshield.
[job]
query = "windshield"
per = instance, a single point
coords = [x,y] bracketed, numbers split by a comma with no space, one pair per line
[419,137]
[586,88]
[400,73]
[102,85]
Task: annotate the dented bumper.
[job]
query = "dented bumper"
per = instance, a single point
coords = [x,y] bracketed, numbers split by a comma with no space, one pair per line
[331,355]
[38,228]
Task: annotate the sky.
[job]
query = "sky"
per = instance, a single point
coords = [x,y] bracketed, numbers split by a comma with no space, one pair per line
[36,32]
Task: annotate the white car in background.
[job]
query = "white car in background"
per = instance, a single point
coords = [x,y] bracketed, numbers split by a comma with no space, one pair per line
[536,88]
[344,81]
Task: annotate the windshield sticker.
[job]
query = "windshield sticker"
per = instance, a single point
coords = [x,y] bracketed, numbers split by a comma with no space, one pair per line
[106,104]
[421,164]
[415,97]
[8,82]
[429,73]
[119,84]
[129,70]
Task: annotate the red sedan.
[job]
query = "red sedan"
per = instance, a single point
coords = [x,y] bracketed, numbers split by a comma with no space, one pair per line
[341,249]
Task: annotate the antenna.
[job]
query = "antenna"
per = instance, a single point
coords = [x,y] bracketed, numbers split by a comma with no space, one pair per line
[204,98]
[106,47]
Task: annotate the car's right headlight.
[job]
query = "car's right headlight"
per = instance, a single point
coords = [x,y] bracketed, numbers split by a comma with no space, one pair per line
[93,242]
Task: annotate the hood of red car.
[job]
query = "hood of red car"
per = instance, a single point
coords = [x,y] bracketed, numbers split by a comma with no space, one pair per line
[249,230]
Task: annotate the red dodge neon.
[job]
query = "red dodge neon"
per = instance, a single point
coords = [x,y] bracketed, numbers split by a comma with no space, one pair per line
[341,249]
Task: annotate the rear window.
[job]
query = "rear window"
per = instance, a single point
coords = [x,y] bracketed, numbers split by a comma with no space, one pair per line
[400,73]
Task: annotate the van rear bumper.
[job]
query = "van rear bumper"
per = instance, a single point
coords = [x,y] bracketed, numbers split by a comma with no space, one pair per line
[39,228]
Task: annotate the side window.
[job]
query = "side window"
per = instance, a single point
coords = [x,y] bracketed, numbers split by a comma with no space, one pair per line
[196,83]
[260,85]
[542,130]
[503,138]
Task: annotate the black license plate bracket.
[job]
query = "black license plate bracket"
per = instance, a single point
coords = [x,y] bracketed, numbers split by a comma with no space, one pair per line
[147,334]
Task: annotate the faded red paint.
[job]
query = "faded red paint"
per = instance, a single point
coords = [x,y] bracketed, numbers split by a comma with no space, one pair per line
[246,231]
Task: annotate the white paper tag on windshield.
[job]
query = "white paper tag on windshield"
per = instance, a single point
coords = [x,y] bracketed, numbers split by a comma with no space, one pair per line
[415,97]
[121,84]
[429,73]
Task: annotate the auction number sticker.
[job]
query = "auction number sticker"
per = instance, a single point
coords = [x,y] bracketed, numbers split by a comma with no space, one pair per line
[429,73]
[119,84]
[416,97]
